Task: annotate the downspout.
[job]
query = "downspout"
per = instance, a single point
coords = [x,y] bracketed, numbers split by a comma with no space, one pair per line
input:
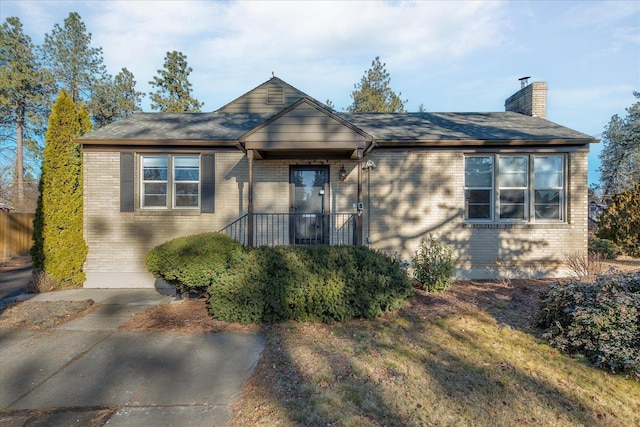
[360,205]
[250,156]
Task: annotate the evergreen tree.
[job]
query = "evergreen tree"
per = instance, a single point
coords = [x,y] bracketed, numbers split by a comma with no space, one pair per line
[115,99]
[173,89]
[329,104]
[25,94]
[620,222]
[76,66]
[59,248]
[373,93]
[620,156]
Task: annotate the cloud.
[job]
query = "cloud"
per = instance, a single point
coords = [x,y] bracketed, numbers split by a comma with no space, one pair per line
[242,42]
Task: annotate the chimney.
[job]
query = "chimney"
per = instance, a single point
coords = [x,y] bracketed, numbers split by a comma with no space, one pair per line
[531,99]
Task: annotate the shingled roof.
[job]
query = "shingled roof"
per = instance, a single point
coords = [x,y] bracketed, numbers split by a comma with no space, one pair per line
[384,127]
[254,108]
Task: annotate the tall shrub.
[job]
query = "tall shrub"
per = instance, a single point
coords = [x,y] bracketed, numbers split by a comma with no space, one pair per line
[59,248]
[620,223]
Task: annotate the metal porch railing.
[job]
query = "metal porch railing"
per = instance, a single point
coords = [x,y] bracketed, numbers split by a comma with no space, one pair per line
[275,229]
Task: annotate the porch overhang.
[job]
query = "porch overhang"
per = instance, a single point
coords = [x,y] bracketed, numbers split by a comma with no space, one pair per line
[302,151]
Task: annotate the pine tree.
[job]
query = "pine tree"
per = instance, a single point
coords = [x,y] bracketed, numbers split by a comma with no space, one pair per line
[373,93]
[59,248]
[115,99]
[25,94]
[620,157]
[173,89]
[76,66]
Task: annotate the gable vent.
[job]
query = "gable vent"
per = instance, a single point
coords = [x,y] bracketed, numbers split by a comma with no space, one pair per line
[275,94]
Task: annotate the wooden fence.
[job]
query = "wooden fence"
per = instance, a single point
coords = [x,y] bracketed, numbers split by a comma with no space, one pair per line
[16,234]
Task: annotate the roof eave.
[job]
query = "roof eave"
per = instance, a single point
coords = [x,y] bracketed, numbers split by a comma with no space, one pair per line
[486,142]
[146,142]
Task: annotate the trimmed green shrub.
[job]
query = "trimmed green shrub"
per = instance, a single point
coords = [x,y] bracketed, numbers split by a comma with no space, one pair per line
[59,249]
[433,265]
[599,320]
[192,263]
[604,247]
[620,222]
[317,283]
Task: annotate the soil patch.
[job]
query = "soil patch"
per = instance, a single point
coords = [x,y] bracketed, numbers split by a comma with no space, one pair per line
[43,314]
[185,316]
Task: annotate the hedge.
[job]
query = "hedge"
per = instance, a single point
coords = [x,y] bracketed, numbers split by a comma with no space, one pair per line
[318,283]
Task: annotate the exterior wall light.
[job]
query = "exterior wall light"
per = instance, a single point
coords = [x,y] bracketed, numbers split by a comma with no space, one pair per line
[343,173]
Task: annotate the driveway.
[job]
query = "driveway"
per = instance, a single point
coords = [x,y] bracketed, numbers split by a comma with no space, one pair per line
[14,276]
[86,372]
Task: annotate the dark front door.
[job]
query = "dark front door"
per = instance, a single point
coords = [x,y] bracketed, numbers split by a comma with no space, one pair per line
[309,196]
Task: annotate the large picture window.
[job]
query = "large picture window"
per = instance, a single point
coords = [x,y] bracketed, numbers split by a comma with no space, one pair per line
[170,181]
[503,188]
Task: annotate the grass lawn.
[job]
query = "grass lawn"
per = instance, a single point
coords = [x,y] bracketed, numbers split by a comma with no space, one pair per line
[467,356]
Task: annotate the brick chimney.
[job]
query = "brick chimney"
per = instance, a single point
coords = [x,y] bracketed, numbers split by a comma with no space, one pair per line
[531,99]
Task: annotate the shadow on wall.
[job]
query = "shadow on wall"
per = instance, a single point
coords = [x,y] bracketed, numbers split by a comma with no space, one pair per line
[405,209]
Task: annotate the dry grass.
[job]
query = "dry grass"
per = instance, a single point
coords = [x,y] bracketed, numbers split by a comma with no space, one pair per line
[468,356]
[43,314]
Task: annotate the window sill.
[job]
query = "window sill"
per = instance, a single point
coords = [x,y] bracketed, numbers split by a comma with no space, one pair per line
[516,225]
[168,212]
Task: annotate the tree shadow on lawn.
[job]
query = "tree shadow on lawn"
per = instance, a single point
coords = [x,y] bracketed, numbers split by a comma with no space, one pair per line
[401,370]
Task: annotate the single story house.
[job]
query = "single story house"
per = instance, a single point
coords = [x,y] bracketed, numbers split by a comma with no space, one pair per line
[277,167]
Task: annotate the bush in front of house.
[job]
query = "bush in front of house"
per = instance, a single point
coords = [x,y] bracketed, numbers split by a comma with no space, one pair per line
[620,222]
[192,263]
[317,283]
[433,265]
[600,320]
[604,247]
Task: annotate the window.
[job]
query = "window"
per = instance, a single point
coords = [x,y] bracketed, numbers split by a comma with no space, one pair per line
[512,181]
[512,192]
[548,187]
[478,194]
[170,181]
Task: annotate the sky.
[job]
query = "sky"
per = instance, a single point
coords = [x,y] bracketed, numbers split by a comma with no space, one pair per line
[448,56]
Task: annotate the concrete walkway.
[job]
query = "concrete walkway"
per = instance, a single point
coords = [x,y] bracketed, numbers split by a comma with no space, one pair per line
[86,372]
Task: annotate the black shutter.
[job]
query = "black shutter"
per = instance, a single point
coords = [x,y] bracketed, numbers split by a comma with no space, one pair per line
[207,203]
[127,171]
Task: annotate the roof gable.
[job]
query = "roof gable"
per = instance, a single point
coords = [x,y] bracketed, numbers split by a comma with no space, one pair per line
[272,96]
[305,125]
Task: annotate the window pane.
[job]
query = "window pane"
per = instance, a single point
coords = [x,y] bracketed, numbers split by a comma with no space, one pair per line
[512,204]
[548,212]
[187,194]
[478,204]
[512,196]
[154,168]
[547,205]
[548,172]
[155,188]
[513,171]
[155,201]
[547,196]
[512,211]
[187,201]
[187,168]
[187,175]
[478,171]
[186,189]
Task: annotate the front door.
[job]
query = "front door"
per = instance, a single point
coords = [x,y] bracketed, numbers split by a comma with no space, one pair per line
[309,196]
